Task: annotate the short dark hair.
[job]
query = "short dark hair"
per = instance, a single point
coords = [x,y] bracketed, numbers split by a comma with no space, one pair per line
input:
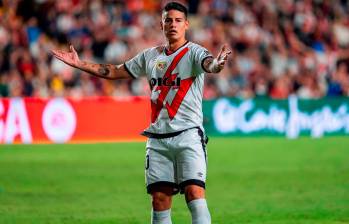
[176,6]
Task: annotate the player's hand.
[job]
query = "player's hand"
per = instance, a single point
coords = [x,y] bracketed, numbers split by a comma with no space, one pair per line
[223,57]
[69,57]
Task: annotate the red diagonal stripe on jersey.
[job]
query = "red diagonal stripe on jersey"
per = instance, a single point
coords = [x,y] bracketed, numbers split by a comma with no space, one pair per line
[156,107]
[177,100]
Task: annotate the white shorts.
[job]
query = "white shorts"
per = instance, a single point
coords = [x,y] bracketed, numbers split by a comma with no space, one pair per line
[176,161]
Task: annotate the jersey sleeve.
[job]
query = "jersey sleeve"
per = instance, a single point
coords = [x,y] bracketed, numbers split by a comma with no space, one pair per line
[136,65]
[199,54]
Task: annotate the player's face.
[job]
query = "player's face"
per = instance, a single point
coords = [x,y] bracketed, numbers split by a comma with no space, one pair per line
[174,24]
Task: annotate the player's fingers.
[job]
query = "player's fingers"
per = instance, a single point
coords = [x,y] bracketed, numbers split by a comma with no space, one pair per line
[228,52]
[223,60]
[60,55]
[224,57]
[222,50]
[75,54]
[56,53]
[72,49]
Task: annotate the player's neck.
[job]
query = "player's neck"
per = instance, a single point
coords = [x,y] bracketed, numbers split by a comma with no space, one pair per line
[173,46]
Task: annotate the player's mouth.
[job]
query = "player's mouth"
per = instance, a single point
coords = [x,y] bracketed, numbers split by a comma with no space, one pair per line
[172,32]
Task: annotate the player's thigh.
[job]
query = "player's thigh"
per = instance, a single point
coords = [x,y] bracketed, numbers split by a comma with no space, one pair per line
[192,160]
[159,167]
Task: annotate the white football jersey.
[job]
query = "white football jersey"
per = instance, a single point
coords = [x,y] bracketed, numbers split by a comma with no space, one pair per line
[176,81]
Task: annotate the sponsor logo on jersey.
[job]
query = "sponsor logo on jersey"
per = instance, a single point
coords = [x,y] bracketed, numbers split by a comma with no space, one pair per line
[164,82]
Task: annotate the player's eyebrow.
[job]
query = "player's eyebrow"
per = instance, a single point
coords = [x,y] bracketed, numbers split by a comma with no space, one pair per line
[176,18]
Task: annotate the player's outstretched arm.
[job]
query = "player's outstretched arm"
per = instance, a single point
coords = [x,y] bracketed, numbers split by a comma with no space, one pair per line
[215,65]
[106,71]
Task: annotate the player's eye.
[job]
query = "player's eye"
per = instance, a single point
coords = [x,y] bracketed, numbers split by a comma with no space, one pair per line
[168,20]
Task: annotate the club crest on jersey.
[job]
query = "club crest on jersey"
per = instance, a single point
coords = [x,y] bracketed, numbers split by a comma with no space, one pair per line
[161,65]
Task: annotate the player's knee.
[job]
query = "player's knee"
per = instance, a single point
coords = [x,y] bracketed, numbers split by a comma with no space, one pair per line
[161,201]
[193,192]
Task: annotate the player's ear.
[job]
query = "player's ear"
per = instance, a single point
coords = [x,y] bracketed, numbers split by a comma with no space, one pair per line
[161,25]
[186,24]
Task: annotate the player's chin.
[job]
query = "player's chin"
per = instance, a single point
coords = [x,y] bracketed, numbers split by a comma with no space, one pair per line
[172,36]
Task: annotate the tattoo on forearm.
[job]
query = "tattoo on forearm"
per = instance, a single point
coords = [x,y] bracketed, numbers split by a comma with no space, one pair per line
[106,71]
[103,70]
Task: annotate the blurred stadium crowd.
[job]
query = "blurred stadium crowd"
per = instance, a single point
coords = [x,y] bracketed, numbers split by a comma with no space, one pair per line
[280,47]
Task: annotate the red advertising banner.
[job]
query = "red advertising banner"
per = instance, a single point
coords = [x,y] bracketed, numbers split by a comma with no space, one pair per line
[60,120]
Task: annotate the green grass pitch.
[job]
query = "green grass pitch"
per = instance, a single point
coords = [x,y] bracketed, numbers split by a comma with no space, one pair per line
[250,180]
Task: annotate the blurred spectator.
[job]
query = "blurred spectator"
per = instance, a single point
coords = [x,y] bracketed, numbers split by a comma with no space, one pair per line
[339,80]
[279,47]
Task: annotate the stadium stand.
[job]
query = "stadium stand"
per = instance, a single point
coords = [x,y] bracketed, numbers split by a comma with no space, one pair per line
[279,47]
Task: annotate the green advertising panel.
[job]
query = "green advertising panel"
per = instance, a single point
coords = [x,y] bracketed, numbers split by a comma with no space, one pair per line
[291,118]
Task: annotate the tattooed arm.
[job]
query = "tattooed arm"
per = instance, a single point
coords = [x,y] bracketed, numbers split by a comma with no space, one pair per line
[106,71]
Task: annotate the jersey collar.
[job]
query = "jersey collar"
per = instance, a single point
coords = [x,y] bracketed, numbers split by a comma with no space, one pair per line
[168,52]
